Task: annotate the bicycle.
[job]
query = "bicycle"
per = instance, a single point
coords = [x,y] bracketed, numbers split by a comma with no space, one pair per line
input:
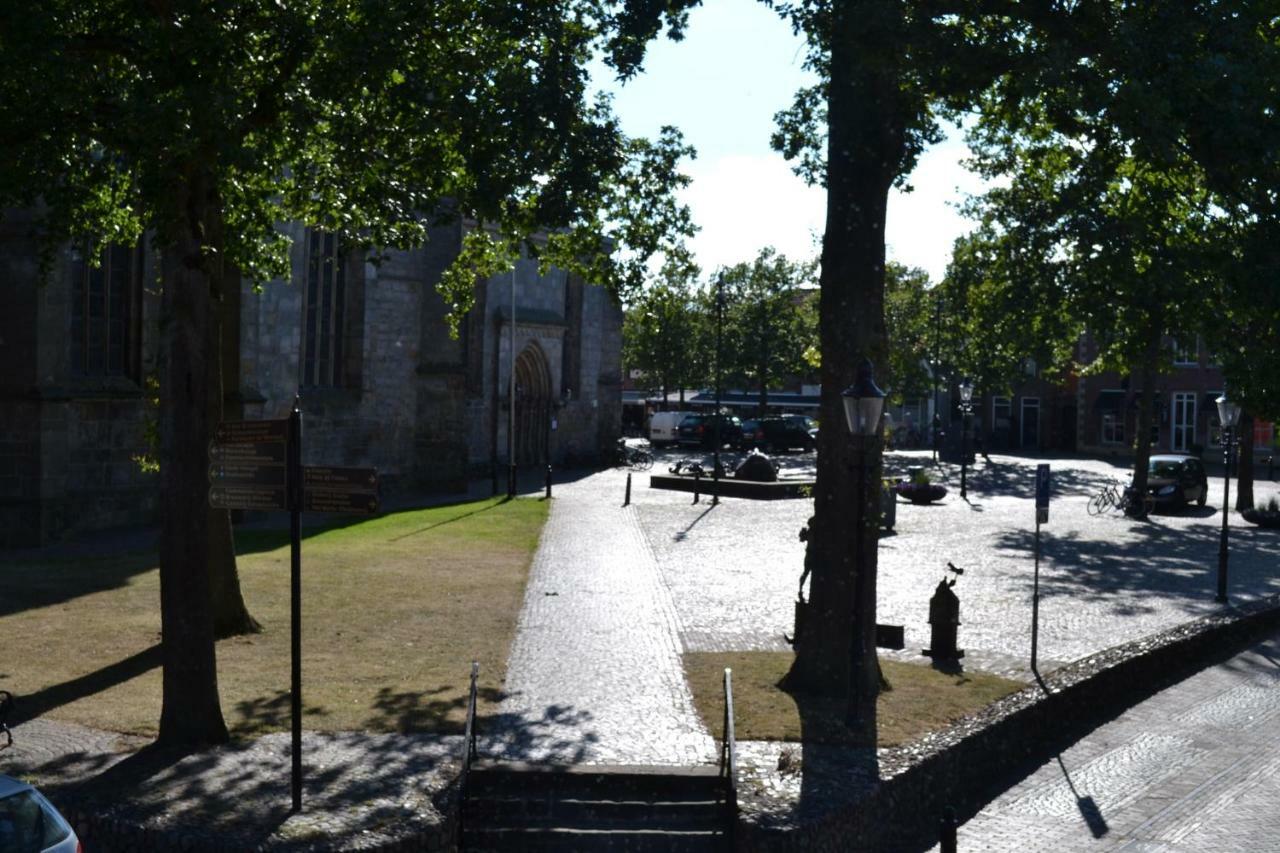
[1129,503]
[1105,499]
[635,458]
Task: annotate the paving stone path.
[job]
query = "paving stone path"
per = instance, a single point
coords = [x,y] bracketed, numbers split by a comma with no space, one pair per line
[1194,769]
[594,675]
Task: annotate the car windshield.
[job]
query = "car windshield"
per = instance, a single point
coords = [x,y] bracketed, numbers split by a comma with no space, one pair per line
[26,826]
[1164,468]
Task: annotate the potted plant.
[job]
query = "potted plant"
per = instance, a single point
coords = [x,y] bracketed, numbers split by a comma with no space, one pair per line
[919,490]
[1267,515]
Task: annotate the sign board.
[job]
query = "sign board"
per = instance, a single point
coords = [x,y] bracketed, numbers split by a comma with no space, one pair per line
[1042,493]
[329,489]
[247,465]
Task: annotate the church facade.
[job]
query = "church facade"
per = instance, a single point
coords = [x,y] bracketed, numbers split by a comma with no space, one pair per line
[364,347]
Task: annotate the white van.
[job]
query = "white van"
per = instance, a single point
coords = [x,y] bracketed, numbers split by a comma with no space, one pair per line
[664,426]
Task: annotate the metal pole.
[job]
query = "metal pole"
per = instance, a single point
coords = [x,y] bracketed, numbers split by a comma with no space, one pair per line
[937,389]
[715,472]
[858,646]
[947,831]
[511,381]
[1228,442]
[964,452]
[295,598]
[1035,600]
[626,501]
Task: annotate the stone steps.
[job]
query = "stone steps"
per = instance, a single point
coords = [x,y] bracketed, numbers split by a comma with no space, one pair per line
[511,807]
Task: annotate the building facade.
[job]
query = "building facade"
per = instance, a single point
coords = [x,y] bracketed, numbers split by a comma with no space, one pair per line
[364,347]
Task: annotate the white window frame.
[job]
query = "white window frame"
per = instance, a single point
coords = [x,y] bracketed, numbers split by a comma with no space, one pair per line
[1183,357]
[1112,429]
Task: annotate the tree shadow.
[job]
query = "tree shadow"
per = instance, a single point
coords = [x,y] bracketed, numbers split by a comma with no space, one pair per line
[271,713]
[33,582]
[35,705]
[682,535]
[420,710]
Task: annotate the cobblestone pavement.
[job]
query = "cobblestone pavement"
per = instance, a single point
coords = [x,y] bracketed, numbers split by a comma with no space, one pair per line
[595,675]
[1194,769]
[732,569]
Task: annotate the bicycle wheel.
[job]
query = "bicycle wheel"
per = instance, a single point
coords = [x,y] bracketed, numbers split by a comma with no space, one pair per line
[1097,504]
[641,460]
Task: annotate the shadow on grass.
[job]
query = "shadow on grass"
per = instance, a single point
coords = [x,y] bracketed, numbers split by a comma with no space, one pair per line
[46,582]
[34,705]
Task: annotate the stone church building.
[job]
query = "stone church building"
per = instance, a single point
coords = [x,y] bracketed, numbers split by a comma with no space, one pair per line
[365,347]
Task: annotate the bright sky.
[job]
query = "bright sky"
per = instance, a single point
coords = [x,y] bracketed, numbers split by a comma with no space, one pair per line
[738,65]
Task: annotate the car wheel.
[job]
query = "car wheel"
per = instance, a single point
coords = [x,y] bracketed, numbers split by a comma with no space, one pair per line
[1204,496]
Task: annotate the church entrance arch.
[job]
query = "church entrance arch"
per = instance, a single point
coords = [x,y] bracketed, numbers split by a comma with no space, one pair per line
[533,406]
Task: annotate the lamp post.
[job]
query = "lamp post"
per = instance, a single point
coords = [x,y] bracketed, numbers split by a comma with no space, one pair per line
[966,409]
[1228,416]
[715,470]
[937,392]
[863,407]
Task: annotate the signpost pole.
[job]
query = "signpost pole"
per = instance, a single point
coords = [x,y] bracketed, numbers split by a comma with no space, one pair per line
[1035,601]
[1042,515]
[294,479]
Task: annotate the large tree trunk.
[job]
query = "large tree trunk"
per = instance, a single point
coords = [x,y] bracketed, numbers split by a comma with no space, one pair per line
[835,633]
[1244,467]
[1146,412]
[190,712]
[230,616]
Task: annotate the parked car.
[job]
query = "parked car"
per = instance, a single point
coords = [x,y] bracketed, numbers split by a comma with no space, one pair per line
[782,433]
[664,426]
[700,430]
[30,824]
[1175,480]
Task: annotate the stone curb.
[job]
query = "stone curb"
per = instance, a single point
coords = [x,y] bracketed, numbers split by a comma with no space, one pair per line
[968,763]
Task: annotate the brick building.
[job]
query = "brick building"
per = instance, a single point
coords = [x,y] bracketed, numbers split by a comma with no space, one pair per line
[365,346]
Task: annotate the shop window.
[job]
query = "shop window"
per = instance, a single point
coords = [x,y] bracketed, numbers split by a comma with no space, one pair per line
[1112,429]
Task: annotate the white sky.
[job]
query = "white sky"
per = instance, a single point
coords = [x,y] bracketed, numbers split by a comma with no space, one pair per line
[737,66]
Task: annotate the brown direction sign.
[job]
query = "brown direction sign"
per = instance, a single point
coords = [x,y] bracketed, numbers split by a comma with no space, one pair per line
[247,467]
[247,497]
[329,489]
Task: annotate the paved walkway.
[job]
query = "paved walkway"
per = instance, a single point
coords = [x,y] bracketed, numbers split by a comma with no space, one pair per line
[1194,769]
[595,673]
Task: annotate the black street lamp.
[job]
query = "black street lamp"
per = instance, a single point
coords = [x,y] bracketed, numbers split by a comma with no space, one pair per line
[863,407]
[1228,416]
[715,471]
[966,409]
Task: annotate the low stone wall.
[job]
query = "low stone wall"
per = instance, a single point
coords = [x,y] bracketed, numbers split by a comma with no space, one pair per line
[967,764]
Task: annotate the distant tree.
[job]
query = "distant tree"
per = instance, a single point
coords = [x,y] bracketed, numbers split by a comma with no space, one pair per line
[909,325]
[767,325]
[203,126]
[661,331]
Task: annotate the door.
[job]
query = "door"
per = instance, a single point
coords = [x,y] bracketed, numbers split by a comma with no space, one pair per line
[1030,438]
[1184,421]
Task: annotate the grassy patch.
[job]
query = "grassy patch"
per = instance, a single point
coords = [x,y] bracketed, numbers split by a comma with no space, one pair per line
[393,611]
[923,699]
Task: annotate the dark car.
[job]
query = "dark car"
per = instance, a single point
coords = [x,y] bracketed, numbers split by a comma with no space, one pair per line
[1175,480]
[700,430]
[783,433]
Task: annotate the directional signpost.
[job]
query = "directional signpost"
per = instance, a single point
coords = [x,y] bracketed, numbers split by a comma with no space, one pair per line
[1042,517]
[258,465]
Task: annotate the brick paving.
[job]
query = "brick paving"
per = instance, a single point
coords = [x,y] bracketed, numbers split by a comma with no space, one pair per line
[1194,769]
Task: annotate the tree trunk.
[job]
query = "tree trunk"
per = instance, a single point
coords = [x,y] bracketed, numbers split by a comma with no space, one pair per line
[230,616]
[190,712]
[1244,467]
[1146,410]
[835,637]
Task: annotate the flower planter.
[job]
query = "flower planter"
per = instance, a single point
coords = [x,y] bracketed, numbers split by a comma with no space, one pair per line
[919,493]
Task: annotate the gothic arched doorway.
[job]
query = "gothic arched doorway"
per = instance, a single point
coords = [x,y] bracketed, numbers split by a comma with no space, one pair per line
[533,406]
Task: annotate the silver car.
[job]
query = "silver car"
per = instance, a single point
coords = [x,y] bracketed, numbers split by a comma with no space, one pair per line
[30,824]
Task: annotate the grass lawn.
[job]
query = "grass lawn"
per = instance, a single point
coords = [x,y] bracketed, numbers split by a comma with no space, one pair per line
[923,699]
[393,611]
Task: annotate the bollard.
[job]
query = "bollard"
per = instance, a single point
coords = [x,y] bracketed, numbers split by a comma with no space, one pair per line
[697,485]
[947,831]
[548,480]
[626,501]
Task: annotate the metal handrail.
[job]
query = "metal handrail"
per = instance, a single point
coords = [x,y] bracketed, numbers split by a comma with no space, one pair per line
[469,743]
[728,746]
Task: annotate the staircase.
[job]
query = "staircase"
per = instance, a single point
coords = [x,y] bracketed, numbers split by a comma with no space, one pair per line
[523,807]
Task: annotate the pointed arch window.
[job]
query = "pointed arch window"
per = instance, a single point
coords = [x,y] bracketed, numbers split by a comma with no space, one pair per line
[106,307]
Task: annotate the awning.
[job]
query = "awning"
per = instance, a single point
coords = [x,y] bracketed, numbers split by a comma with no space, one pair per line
[1109,401]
